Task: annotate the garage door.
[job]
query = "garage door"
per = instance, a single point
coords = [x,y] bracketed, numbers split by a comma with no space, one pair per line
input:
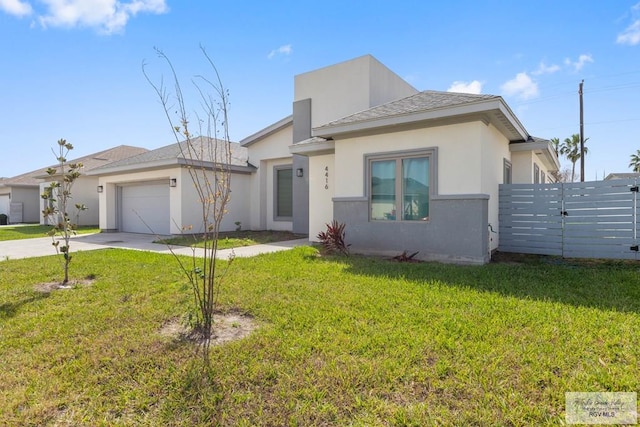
[145,207]
[4,204]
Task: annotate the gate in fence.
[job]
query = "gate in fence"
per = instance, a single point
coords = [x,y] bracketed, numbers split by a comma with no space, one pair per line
[596,219]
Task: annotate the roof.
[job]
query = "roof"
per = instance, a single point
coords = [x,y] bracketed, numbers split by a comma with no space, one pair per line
[269,130]
[541,147]
[430,105]
[622,175]
[205,151]
[89,162]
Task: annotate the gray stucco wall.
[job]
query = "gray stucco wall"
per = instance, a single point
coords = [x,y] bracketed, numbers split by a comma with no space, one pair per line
[301,131]
[301,195]
[457,231]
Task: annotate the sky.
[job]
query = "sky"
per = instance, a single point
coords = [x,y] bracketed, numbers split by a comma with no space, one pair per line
[72,69]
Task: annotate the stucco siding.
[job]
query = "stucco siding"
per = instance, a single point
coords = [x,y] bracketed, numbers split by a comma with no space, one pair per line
[30,199]
[495,148]
[522,167]
[459,157]
[321,188]
[191,206]
[348,87]
[264,154]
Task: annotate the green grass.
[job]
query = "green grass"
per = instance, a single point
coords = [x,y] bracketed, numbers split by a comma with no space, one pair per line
[31,231]
[233,239]
[343,341]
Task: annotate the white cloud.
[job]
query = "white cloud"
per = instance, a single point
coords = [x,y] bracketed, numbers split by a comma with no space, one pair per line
[282,50]
[107,16]
[631,35]
[474,87]
[16,7]
[521,86]
[545,69]
[580,63]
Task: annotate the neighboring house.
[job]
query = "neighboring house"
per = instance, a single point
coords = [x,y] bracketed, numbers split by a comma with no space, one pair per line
[154,193]
[20,198]
[20,195]
[404,170]
[622,175]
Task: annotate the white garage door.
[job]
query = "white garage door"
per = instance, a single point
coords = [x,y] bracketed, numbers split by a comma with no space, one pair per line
[145,207]
[4,204]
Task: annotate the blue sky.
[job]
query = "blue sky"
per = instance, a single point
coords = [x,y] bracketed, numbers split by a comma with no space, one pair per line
[72,68]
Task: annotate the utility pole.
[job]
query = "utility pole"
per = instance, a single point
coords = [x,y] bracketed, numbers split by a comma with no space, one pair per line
[581,133]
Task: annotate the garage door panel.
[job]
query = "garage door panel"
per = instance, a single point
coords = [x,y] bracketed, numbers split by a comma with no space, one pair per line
[145,209]
[4,204]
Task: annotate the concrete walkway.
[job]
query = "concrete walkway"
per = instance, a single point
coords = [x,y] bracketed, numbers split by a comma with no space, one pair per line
[41,246]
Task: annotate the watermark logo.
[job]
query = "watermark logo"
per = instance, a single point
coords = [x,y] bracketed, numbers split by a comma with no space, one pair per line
[601,408]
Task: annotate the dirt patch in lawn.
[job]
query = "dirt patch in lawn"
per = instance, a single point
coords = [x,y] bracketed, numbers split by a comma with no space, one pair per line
[49,287]
[227,327]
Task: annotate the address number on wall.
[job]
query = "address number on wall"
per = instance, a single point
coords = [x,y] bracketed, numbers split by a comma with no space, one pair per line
[326,177]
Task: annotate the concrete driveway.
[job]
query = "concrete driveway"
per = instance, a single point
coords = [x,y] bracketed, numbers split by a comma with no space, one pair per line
[41,246]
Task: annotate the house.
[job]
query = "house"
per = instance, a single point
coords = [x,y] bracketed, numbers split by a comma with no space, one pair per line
[20,195]
[403,169]
[622,175]
[153,192]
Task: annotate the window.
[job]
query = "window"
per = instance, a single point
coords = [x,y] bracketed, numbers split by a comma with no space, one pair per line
[536,174]
[283,192]
[399,187]
[543,178]
[506,171]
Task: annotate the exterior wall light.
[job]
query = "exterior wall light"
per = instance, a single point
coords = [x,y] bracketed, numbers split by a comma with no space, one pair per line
[299,173]
[100,188]
[173,182]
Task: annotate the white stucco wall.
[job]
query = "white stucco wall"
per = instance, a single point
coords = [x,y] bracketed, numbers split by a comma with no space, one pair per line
[237,208]
[348,87]
[495,148]
[321,190]
[30,199]
[522,167]
[459,153]
[84,191]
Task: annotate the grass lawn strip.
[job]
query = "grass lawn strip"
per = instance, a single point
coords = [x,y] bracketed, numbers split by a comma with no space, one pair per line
[356,341]
[31,231]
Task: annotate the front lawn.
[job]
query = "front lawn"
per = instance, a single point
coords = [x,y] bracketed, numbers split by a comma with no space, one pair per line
[343,341]
[18,232]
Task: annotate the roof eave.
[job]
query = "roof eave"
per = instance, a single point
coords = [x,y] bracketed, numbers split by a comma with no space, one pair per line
[505,120]
[316,148]
[167,163]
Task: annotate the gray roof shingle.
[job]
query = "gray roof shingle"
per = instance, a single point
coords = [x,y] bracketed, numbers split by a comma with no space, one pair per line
[420,102]
[89,162]
[204,149]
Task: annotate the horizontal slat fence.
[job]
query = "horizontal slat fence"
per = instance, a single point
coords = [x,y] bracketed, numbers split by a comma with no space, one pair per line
[582,220]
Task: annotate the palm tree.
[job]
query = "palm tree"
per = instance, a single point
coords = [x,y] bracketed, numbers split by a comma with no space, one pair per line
[635,161]
[556,145]
[571,149]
